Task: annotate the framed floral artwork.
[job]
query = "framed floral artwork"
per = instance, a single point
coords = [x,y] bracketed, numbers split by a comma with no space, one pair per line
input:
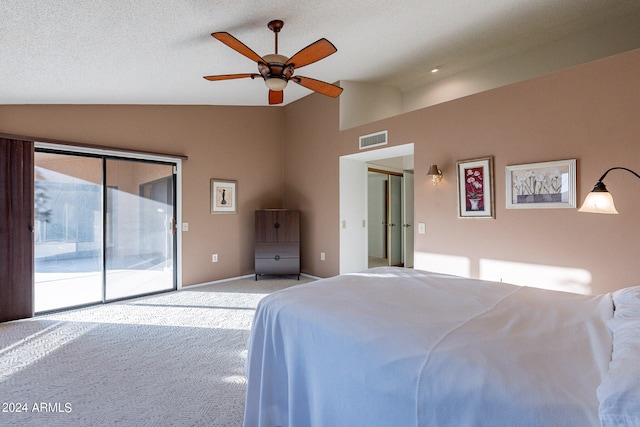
[541,185]
[224,196]
[475,188]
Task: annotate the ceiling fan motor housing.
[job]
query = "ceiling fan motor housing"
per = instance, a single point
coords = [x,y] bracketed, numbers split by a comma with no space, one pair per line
[274,67]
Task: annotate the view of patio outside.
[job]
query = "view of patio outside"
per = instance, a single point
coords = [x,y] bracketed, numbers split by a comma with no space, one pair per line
[87,254]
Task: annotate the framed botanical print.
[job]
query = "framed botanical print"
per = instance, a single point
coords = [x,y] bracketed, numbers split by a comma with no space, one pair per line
[541,185]
[224,196]
[475,188]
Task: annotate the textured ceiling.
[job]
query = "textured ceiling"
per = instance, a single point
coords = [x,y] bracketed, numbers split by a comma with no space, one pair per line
[156,52]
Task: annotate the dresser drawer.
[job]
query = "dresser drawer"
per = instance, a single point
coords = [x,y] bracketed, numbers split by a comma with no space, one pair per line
[284,250]
[277,266]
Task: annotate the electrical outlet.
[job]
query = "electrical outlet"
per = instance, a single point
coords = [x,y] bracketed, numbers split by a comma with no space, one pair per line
[214,257]
[322,256]
[185,226]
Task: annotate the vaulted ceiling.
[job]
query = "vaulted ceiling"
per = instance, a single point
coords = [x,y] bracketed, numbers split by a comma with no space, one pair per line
[156,52]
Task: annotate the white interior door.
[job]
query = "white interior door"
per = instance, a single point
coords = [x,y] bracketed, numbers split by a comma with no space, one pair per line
[407,225]
[394,222]
[377,215]
[353,215]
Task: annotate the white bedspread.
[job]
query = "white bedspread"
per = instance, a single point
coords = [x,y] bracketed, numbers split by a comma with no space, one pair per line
[401,347]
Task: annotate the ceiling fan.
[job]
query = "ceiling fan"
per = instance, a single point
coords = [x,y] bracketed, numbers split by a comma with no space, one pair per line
[277,70]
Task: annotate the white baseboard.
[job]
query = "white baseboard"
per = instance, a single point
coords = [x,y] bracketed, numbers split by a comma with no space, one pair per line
[237,278]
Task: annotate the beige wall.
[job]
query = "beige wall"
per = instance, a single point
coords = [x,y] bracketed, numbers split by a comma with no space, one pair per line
[242,143]
[589,113]
[288,157]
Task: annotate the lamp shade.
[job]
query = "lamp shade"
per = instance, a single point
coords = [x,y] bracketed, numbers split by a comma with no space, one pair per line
[598,202]
[275,83]
[435,173]
[433,170]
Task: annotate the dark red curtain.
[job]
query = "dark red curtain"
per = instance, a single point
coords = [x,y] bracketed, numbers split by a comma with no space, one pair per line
[16,229]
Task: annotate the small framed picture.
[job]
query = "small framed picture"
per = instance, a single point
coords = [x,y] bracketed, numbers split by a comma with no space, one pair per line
[475,188]
[224,196]
[541,185]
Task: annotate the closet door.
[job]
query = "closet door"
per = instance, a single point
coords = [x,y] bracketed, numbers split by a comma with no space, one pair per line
[395,220]
[16,211]
[407,211]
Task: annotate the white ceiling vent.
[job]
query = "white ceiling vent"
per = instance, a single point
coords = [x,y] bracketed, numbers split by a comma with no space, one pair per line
[373,139]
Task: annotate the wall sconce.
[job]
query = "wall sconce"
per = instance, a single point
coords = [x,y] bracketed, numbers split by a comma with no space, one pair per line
[599,200]
[436,174]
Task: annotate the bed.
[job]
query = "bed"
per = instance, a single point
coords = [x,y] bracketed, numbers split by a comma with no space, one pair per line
[403,347]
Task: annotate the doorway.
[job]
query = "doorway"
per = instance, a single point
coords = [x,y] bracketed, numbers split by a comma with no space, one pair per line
[385,210]
[104,228]
[354,221]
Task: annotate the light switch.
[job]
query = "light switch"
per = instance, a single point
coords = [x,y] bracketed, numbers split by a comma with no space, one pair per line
[185,226]
[421,228]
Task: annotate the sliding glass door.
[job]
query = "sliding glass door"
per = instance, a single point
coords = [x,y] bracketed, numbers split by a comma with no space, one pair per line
[67,231]
[139,228]
[104,229]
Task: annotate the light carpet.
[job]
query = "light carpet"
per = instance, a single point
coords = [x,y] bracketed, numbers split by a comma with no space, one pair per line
[174,359]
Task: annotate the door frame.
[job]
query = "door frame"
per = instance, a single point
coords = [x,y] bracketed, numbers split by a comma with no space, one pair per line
[137,156]
[388,212]
[353,204]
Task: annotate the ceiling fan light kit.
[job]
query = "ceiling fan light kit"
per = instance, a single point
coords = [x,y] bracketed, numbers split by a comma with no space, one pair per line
[277,70]
[275,83]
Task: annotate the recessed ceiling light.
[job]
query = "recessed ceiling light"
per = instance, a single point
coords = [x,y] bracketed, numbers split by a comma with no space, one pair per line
[435,69]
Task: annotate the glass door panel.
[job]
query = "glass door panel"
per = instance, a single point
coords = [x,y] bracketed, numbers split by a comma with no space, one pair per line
[67,231]
[139,256]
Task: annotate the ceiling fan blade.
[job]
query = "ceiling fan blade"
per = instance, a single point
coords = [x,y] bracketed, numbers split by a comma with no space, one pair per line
[318,86]
[276,97]
[237,45]
[231,76]
[312,53]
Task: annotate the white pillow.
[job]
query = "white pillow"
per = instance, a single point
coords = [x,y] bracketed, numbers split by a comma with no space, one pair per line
[626,339]
[619,392]
[627,302]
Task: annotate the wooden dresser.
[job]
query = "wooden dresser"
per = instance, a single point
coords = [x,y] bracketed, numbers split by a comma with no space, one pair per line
[277,249]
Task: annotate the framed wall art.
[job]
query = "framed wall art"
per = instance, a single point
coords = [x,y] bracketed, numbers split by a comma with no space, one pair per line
[224,196]
[541,185]
[475,188]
